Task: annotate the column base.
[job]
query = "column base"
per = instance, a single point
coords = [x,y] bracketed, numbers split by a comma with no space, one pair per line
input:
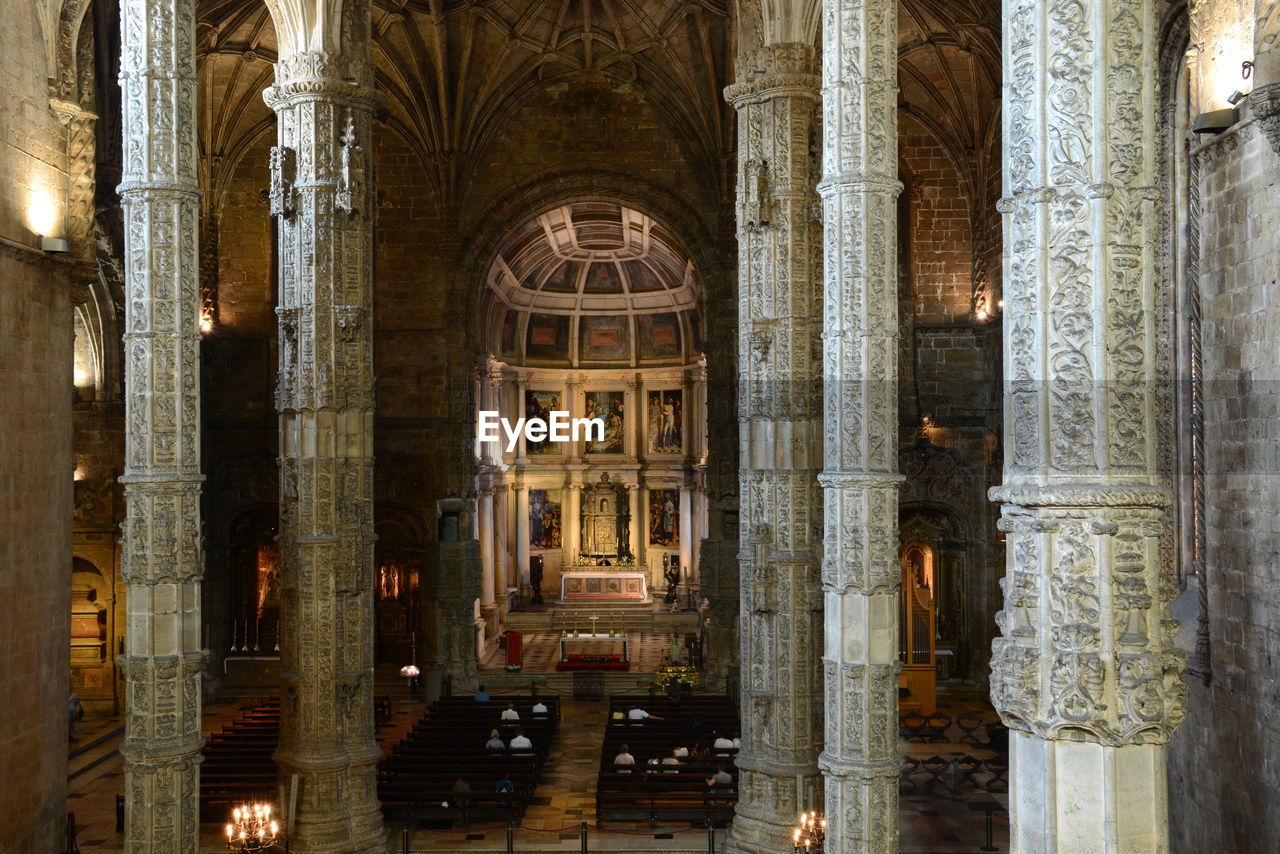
[1075,797]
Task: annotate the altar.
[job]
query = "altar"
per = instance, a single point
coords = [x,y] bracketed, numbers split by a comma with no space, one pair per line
[603,584]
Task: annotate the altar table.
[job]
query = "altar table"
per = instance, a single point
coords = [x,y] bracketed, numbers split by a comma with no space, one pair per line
[603,585]
[597,638]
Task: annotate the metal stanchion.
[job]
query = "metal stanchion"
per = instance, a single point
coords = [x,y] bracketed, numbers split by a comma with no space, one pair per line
[582,835]
[511,837]
[407,823]
[711,836]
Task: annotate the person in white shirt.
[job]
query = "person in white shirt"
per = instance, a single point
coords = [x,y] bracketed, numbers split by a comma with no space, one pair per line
[638,716]
[624,757]
[539,708]
[521,741]
[510,713]
[722,743]
[680,753]
[737,741]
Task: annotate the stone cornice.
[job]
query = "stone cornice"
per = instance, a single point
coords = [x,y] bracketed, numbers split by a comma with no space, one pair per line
[773,86]
[33,256]
[1083,495]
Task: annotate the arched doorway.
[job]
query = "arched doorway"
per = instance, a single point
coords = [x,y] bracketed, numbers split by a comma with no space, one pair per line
[593,309]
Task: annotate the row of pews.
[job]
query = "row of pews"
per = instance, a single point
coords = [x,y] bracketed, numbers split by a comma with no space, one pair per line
[417,780]
[655,792]
[238,765]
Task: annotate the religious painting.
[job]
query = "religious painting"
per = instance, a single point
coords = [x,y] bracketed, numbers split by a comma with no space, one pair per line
[608,407]
[548,337]
[641,277]
[602,278]
[539,404]
[563,279]
[659,335]
[666,421]
[604,339]
[509,324]
[544,518]
[664,517]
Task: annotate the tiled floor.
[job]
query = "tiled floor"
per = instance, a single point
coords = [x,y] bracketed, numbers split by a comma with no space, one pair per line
[932,821]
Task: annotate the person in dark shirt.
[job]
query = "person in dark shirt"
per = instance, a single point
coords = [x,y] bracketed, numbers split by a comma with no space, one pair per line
[503,785]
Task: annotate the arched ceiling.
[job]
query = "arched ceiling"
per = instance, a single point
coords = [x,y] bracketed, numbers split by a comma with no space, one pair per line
[949,81]
[593,257]
[455,70]
[591,284]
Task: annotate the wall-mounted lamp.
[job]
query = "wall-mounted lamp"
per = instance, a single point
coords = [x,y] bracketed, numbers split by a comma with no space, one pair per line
[1216,121]
[54,244]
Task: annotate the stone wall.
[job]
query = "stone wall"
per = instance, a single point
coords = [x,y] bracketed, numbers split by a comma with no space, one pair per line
[1224,775]
[36,459]
[36,463]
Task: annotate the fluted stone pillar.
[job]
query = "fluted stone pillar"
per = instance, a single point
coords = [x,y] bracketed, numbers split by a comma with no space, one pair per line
[162,560]
[322,199]
[860,573]
[1085,673]
[779,412]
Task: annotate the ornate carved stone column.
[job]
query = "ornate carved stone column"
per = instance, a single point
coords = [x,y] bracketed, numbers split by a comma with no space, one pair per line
[1085,675]
[779,410]
[162,560]
[322,199]
[860,573]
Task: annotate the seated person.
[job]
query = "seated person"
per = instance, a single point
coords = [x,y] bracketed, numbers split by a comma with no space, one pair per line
[495,742]
[521,742]
[700,729]
[539,708]
[618,716]
[624,757]
[504,784]
[638,715]
[721,743]
[680,753]
[737,741]
[673,759]
[720,782]
[510,713]
[461,803]
[481,696]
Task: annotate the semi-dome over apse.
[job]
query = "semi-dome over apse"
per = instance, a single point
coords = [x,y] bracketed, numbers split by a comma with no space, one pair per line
[593,283]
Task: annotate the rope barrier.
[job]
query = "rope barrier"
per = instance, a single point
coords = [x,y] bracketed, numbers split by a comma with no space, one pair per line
[548,830]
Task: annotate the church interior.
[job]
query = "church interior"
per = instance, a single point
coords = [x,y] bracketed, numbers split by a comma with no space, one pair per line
[936,347]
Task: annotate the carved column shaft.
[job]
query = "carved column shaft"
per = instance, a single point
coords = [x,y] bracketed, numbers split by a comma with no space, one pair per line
[322,199]
[1085,673]
[779,406]
[162,560]
[860,573]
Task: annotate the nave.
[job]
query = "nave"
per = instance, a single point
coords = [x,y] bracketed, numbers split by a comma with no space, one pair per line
[939,814]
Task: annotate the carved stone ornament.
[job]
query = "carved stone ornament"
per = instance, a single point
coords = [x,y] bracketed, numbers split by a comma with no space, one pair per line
[1264,101]
[351,182]
[753,201]
[283,168]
